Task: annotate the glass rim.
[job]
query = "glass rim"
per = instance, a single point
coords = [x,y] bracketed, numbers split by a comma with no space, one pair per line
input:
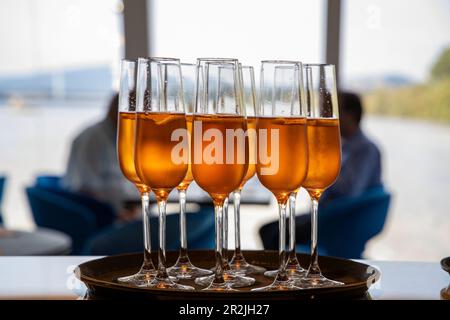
[221,63]
[158,59]
[246,67]
[216,59]
[128,60]
[294,62]
[318,65]
[163,59]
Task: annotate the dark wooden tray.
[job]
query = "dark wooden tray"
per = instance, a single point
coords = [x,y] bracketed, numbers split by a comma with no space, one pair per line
[100,278]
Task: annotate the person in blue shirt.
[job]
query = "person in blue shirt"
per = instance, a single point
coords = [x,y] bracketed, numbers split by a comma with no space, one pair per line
[361,159]
[360,169]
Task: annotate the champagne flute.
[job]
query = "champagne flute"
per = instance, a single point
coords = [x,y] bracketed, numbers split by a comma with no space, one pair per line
[238,262]
[324,154]
[160,118]
[282,145]
[219,161]
[183,267]
[125,152]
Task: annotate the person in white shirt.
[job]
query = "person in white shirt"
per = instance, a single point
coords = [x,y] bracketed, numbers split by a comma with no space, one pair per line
[93,167]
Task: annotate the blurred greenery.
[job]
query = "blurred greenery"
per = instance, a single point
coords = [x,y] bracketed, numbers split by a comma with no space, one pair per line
[441,69]
[426,101]
[430,100]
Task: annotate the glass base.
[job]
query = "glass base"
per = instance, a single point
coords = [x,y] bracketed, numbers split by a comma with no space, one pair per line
[186,270]
[167,283]
[140,279]
[231,280]
[271,273]
[294,270]
[242,266]
[316,281]
[224,286]
[278,286]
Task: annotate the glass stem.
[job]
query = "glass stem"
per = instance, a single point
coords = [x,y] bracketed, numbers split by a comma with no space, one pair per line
[314,266]
[183,238]
[237,224]
[225,233]
[218,276]
[162,272]
[292,200]
[282,275]
[145,201]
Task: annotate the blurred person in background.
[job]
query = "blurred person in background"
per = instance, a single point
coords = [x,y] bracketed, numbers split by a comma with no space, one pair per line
[93,167]
[360,169]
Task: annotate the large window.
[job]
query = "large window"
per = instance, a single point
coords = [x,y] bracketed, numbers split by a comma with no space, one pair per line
[58,60]
[392,42]
[58,49]
[389,52]
[248,30]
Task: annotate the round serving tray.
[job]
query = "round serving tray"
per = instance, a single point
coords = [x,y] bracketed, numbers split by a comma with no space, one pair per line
[100,278]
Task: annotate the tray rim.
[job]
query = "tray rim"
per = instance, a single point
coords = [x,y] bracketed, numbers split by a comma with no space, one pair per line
[372,279]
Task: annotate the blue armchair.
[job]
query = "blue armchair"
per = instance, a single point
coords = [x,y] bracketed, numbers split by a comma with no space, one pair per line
[346,224]
[49,181]
[104,213]
[53,211]
[75,214]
